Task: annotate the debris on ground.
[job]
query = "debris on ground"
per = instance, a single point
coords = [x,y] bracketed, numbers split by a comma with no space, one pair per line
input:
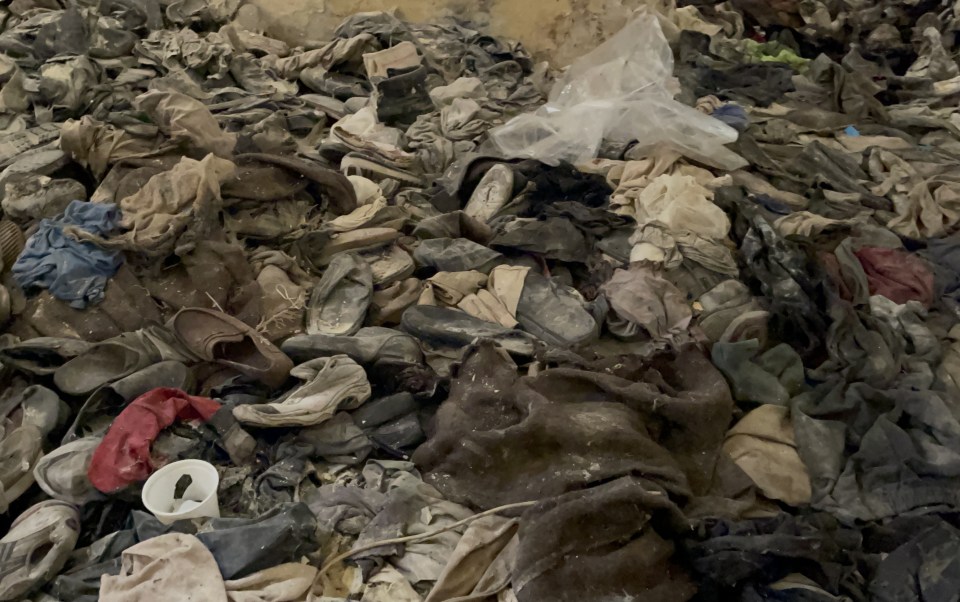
[443,323]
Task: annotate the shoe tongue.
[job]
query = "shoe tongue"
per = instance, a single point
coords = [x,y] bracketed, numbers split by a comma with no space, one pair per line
[309,370]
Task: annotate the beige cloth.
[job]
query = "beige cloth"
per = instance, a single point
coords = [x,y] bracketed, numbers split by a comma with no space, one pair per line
[169,568]
[178,51]
[243,40]
[464,119]
[653,243]
[672,204]
[673,20]
[217,11]
[173,211]
[184,118]
[507,595]
[98,145]
[506,284]
[13,95]
[926,206]
[480,565]
[284,583]
[463,87]
[679,202]
[757,185]
[496,303]
[401,56]
[69,82]
[859,144]
[934,61]
[125,178]
[499,300]
[264,257]
[362,131]
[762,444]
[643,299]
[388,585]
[367,190]
[484,305]
[335,52]
[805,223]
[177,567]
[631,177]
[449,288]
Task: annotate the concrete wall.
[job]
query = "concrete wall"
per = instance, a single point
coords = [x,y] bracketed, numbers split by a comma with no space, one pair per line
[555,30]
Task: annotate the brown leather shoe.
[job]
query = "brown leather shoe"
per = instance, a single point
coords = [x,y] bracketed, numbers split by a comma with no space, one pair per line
[332,184]
[220,338]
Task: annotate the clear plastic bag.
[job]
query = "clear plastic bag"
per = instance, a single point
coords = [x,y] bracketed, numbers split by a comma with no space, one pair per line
[621,91]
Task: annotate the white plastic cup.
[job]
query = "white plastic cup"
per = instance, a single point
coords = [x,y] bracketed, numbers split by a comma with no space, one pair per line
[199,499]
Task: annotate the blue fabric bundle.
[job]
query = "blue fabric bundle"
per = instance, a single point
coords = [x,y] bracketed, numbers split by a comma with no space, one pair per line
[74,271]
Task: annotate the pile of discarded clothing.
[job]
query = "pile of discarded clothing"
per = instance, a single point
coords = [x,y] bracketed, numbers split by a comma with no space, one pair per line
[419,319]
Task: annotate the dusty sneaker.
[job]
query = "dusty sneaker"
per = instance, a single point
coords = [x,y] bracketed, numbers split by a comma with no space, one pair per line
[36,547]
[493,192]
[330,384]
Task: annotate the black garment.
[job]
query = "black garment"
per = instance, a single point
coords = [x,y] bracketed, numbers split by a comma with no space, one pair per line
[758,84]
[874,454]
[944,256]
[80,578]
[83,585]
[403,97]
[578,441]
[925,568]
[244,546]
[553,238]
[561,183]
[734,559]
[788,278]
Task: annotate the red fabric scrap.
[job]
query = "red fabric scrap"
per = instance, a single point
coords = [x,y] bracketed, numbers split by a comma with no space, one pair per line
[123,457]
[897,275]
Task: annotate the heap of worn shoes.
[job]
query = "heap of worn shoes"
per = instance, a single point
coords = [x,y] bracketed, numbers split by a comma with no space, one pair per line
[681,322]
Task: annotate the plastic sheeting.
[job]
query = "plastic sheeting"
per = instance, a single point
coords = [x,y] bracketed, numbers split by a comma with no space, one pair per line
[621,92]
